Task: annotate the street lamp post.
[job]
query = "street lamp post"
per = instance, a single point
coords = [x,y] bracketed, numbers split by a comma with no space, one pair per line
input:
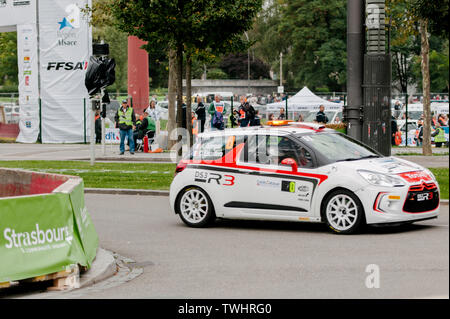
[248,65]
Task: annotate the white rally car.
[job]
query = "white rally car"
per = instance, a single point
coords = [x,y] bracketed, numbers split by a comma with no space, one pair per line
[299,172]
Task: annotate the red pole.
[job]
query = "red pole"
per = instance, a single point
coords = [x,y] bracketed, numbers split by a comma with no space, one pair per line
[138,79]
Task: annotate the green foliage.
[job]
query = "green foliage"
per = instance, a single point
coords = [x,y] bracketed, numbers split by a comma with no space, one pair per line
[216,74]
[8,59]
[312,36]
[439,70]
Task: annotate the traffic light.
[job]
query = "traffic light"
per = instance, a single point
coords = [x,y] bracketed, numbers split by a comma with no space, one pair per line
[101,69]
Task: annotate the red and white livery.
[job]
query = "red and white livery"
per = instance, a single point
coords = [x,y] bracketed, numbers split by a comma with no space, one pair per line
[299,172]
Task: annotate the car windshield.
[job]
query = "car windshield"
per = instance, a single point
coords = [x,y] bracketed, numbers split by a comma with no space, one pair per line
[338,147]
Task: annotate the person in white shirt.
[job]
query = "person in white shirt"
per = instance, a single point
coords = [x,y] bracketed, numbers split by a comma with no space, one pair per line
[152,111]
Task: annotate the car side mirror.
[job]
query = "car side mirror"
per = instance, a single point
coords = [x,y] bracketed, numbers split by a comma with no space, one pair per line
[291,162]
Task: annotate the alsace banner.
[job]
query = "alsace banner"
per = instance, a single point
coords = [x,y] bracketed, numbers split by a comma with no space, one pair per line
[65,45]
[44,234]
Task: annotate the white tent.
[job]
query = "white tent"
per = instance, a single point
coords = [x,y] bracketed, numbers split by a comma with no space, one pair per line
[304,100]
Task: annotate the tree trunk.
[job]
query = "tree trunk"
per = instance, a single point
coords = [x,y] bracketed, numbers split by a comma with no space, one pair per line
[189,99]
[180,92]
[425,50]
[172,94]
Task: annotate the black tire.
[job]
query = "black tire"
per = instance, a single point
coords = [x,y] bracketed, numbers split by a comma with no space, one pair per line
[355,223]
[209,215]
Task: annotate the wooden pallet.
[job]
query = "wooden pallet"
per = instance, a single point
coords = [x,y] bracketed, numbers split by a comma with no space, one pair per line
[62,280]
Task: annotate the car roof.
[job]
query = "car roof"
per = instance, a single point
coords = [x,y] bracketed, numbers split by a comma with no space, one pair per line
[291,128]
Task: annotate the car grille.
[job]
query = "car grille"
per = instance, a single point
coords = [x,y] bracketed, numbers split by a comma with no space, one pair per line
[422,198]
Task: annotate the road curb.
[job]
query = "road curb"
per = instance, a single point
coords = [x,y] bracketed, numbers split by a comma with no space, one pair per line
[103,267]
[122,191]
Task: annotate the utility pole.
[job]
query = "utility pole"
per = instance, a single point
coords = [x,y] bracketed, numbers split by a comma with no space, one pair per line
[355,67]
[248,65]
[281,68]
[376,131]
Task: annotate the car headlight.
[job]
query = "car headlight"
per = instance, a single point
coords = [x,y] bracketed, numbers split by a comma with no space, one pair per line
[380,179]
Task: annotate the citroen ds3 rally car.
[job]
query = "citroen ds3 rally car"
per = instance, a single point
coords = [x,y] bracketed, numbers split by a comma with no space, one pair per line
[299,172]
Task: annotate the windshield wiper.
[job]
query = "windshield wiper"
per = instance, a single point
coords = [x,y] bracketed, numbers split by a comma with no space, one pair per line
[359,158]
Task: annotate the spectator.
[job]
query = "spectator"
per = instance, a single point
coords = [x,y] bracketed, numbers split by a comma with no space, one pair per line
[256,121]
[98,127]
[394,130]
[152,111]
[243,121]
[442,121]
[320,116]
[271,117]
[337,120]
[216,106]
[419,134]
[439,136]
[282,116]
[126,121]
[300,118]
[234,116]
[183,115]
[201,113]
[147,125]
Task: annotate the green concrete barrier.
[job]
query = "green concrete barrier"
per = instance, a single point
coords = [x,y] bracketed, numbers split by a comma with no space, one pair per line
[44,225]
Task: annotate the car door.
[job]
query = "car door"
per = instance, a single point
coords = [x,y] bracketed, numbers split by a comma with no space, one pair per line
[264,187]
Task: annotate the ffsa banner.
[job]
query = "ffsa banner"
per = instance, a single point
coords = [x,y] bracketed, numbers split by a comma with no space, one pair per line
[65,45]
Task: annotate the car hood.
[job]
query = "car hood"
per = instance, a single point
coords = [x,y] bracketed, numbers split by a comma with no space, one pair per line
[385,165]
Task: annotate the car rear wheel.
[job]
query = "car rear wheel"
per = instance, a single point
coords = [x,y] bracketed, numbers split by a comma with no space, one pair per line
[344,213]
[195,207]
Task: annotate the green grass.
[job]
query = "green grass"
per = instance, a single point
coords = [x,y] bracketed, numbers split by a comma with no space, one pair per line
[105,175]
[442,178]
[420,154]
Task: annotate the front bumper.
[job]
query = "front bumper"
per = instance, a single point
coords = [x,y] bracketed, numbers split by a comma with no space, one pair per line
[399,204]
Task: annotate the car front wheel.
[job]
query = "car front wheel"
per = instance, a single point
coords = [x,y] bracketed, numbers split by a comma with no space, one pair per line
[344,213]
[195,207]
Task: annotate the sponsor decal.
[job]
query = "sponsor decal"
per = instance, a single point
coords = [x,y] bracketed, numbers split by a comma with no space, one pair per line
[268,183]
[206,177]
[414,177]
[67,31]
[303,188]
[68,66]
[288,186]
[28,124]
[37,239]
[21,2]
[72,20]
[424,196]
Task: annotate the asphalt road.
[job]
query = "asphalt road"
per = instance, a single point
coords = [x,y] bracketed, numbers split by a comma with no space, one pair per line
[243,259]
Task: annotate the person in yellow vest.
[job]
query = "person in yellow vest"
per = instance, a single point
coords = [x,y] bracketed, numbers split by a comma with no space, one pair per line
[126,122]
[439,135]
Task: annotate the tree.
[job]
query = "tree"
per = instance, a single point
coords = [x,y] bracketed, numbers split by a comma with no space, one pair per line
[186,26]
[312,36]
[8,59]
[236,67]
[432,16]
